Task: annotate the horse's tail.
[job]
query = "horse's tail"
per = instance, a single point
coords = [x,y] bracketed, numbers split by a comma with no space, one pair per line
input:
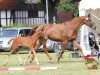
[10,40]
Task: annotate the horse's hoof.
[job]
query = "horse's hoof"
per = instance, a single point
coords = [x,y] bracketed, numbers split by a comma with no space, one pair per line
[21,64]
[57,60]
[24,64]
[30,61]
[4,64]
[53,62]
[38,64]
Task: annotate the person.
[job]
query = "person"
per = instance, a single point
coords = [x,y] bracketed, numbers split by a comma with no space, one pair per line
[98,55]
[93,43]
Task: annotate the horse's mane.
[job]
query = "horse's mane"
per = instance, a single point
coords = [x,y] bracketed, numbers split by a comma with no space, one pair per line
[33,29]
[75,20]
[79,18]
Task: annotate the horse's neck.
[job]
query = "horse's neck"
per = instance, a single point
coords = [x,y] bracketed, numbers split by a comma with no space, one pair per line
[35,36]
[76,25]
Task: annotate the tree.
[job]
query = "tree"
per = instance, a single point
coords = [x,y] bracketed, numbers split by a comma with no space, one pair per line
[51,5]
[69,6]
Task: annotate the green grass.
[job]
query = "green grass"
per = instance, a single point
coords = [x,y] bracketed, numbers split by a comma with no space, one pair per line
[66,66]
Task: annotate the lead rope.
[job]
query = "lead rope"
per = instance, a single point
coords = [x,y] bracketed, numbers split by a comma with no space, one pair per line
[94,16]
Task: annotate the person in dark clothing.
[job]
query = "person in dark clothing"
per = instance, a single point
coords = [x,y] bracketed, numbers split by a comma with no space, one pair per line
[92,41]
[0,25]
[98,55]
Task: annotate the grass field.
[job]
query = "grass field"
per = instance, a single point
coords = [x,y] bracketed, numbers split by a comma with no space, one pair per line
[66,66]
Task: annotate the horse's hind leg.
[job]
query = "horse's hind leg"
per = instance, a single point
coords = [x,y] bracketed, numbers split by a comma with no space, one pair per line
[11,51]
[32,57]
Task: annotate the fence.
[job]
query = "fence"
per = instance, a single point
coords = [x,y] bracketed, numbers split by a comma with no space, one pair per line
[22,17]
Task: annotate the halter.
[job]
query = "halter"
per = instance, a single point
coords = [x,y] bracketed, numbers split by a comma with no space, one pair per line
[87,18]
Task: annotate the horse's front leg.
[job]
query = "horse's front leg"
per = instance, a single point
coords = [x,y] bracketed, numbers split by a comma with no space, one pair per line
[46,51]
[7,58]
[19,58]
[38,44]
[28,57]
[11,51]
[78,46]
[34,53]
[62,50]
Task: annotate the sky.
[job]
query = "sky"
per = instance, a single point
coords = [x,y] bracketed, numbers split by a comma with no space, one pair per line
[87,4]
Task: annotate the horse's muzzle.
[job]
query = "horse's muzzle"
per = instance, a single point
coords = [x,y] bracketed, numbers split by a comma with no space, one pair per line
[93,26]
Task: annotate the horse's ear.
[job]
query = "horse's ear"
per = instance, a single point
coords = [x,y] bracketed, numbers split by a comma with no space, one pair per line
[89,15]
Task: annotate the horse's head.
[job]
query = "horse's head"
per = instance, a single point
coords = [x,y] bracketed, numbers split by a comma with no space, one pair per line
[88,21]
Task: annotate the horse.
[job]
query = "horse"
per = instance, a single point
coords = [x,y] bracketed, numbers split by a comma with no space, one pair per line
[33,29]
[62,32]
[27,41]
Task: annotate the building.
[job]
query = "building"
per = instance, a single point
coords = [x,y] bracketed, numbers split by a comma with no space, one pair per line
[19,12]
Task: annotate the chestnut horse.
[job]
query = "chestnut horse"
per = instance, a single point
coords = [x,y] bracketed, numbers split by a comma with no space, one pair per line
[28,41]
[63,32]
